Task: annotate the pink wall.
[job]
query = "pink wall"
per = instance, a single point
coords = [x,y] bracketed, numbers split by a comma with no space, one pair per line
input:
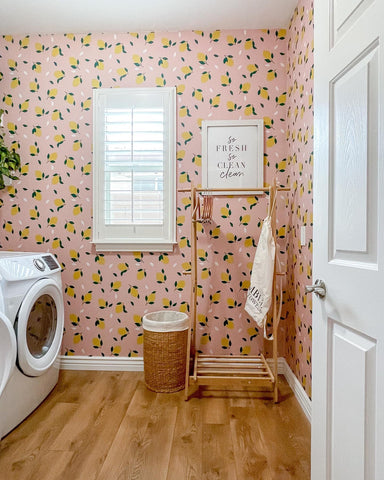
[300,160]
[47,86]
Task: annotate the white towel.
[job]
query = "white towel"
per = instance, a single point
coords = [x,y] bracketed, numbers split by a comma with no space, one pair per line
[259,296]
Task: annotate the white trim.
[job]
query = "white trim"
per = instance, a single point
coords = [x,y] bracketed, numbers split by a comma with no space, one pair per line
[298,390]
[78,362]
[134,237]
[136,364]
[144,246]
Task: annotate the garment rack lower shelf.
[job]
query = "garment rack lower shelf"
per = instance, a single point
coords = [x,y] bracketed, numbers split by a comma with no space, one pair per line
[232,371]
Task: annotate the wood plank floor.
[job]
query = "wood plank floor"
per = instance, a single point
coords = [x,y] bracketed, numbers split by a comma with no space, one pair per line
[108,426]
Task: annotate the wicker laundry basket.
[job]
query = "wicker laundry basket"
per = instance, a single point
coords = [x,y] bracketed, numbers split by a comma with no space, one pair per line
[165,350]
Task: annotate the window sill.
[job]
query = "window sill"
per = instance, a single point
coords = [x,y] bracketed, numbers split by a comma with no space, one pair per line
[133,247]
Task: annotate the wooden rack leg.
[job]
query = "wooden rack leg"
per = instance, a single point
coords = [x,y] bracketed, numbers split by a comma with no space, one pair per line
[186,388]
[274,311]
[192,321]
[275,333]
[275,364]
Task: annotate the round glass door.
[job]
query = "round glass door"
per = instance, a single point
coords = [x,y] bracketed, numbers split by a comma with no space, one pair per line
[40,327]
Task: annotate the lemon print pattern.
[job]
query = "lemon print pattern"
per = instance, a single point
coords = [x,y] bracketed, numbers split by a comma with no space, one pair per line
[47,84]
[299,165]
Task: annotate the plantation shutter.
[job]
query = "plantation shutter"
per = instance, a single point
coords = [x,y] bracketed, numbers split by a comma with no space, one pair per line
[134,166]
[134,175]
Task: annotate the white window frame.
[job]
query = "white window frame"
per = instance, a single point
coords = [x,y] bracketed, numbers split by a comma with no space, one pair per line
[132,238]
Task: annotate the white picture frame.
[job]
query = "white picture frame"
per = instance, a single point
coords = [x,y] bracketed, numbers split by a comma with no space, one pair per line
[233,154]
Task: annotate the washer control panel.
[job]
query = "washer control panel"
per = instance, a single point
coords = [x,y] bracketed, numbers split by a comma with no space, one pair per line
[51,262]
[27,266]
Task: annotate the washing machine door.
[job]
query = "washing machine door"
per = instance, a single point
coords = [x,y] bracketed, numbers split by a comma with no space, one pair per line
[8,350]
[39,330]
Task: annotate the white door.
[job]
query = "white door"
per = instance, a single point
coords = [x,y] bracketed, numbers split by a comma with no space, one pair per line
[348,325]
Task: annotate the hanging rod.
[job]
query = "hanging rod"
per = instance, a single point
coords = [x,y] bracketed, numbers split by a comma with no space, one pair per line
[234,191]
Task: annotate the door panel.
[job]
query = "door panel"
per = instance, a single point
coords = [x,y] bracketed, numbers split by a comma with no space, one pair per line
[350,161]
[353,171]
[344,13]
[351,413]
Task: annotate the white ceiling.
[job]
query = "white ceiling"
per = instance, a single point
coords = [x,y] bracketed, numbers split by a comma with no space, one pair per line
[86,16]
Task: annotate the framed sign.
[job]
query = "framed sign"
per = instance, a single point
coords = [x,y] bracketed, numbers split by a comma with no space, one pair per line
[233,154]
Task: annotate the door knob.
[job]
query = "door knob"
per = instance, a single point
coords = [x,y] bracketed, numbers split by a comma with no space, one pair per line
[319,288]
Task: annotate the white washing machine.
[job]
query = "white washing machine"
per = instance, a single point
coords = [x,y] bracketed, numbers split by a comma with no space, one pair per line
[31,330]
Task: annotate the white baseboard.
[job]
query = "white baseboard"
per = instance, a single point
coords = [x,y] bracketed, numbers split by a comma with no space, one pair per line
[300,394]
[136,364]
[120,364]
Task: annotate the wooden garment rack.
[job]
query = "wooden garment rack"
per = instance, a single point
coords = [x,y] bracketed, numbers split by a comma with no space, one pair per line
[235,371]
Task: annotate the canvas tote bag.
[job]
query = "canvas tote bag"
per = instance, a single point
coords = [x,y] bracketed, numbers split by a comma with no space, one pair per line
[259,296]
